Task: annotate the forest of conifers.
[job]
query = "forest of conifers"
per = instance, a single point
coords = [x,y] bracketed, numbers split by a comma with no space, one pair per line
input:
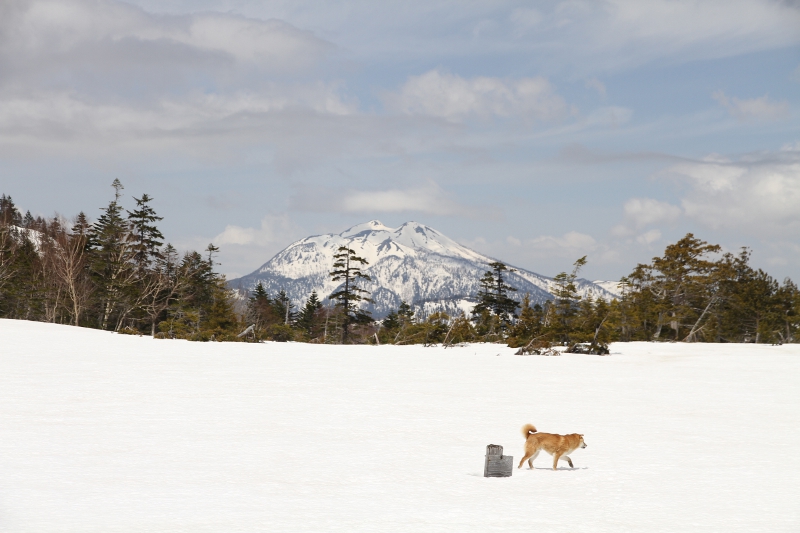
[116,273]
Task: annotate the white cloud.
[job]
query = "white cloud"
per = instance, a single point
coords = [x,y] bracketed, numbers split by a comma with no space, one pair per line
[243,249]
[428,198]
[450,96]
[58,27]
[642,212]
[649,237]
[621,230]
[625,32]
[60,114]
[583,36]
[758,193]
[646,211]
[753,109]
[104,69]
[597,85]
[273,229]
[571,241]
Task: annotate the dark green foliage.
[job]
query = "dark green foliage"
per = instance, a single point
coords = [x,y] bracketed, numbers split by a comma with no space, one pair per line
[391,322]
[396,324]
[145,236]
[273,318]
[284,308]
[400,318]
[692,293]
[528,326]
[695,293]
[562,312]
[9,214]
[308,320]
[493,296]
[112,255]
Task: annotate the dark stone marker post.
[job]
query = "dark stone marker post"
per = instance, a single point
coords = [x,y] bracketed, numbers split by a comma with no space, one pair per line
[497,464]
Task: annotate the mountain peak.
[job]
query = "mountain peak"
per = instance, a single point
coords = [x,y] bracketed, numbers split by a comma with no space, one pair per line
[372,225]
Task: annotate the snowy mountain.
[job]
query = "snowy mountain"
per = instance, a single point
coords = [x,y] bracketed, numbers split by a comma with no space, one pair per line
[611,286]
[18,233]
[414,263]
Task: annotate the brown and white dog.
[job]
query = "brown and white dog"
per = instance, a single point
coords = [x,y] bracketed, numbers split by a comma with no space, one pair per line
[559,446]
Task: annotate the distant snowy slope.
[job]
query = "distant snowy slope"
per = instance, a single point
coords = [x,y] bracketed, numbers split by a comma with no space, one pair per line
[19,234]
[612,287]
[414,263]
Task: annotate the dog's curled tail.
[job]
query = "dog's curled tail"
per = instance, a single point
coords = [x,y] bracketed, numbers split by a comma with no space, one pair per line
[527,429]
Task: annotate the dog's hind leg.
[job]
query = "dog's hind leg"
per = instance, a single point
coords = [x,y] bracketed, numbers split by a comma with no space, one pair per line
[567,459]
[528,457]
[524,458]
[530,461]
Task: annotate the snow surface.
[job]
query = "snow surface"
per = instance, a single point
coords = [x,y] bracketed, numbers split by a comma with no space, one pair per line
[102,432]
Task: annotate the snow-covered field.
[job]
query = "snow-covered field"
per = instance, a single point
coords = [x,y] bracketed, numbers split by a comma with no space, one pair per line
[110,433]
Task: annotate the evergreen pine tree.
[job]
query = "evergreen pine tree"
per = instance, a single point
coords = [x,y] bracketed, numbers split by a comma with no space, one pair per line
[81,225]
[405,313]
[493,295]
[145,236]
[284,308]
[391,321]
[307,318]
[683,283]
[347,268]
[259,294]
[261,310]
[8,246]
[529,324]
[566,299]
[9,214]
[787,311]
[112,254]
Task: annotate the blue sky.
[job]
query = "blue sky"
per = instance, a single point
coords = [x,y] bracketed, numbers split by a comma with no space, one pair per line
[535,132]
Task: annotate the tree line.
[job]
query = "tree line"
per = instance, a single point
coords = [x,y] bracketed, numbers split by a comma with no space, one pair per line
[117,274]
[114,274]
[692,293]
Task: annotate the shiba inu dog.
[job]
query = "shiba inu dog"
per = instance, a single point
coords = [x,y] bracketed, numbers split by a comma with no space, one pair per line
[559,446]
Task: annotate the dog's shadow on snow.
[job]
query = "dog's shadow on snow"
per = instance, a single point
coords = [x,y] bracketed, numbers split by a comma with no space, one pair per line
[560,469]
